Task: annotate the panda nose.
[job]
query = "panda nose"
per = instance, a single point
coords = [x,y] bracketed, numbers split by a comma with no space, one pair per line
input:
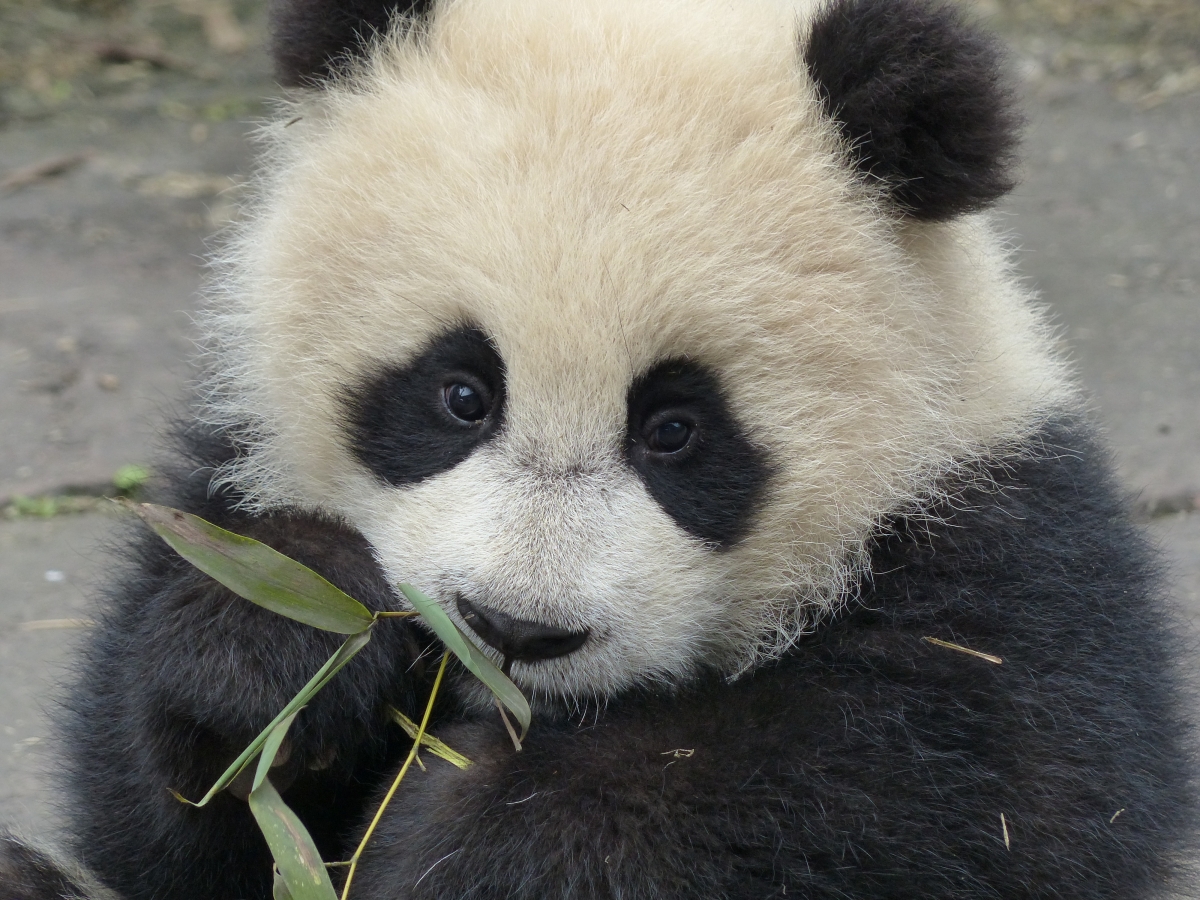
[519,639]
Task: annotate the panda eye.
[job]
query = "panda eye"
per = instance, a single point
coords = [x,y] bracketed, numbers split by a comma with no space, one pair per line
[669,437]
[465,402]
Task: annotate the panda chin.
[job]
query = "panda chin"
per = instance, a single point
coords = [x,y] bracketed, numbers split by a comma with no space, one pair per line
[553,687]
[540,658]
[582,681]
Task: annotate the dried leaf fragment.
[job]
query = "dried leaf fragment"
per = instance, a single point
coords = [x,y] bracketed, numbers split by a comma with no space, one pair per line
[937,642]
[434,745]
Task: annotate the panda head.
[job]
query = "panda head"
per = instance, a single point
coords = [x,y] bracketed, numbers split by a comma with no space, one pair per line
[617,326]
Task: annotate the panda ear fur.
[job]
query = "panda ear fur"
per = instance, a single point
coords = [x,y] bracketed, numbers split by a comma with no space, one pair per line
[312,39]
[921,100]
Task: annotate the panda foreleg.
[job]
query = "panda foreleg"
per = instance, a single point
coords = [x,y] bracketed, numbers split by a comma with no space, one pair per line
[31,872]
[181,675]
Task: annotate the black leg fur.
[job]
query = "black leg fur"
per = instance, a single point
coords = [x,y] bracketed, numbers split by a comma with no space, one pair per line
[921,101]
[181,674]
[28,872]
[869,763]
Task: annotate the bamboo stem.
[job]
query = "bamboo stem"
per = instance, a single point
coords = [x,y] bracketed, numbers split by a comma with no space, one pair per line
[412,754]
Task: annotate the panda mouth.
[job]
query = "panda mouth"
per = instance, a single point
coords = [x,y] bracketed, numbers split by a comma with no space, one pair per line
[519,640]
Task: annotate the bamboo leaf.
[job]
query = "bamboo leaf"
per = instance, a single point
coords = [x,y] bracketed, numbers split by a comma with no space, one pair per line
[296,856]
[470,655]
[436,747]
[279,889]
[266,758]
[333,665]
[253,570]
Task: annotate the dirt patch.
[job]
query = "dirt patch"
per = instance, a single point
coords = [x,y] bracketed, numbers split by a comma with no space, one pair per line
[1161,22]
[59,55]
[1149,50]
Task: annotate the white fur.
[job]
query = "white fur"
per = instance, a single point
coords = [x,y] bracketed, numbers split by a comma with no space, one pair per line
[599,185]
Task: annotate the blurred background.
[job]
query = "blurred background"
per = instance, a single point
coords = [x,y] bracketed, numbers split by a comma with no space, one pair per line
[125,133]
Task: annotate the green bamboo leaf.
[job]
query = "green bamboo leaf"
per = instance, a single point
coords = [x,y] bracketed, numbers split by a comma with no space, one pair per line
[295,854]
[333,665]
[470,655]
[279,889]
[435,746]
[266,758]
[253,570]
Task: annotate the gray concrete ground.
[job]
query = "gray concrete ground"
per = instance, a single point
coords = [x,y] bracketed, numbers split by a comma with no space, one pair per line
[99,272]
[100,267]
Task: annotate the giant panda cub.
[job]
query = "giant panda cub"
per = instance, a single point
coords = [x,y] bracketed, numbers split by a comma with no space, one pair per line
[667,345]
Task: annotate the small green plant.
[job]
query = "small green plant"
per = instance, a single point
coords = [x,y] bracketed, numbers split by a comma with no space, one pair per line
[276,582]
[43,507]
[47,506]
[130,479]
[127,481]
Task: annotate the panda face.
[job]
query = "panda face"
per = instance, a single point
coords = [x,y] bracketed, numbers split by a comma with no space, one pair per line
[602,553]
[622,369]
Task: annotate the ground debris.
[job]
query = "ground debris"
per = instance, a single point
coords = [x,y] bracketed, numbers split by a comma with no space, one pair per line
[116,52]
[40,171]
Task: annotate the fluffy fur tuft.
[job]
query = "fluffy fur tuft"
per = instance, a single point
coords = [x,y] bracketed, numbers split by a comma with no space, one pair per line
[920,100]
[314,39]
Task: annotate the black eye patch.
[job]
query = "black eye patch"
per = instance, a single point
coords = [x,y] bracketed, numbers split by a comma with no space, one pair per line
[692,454]
[410,422]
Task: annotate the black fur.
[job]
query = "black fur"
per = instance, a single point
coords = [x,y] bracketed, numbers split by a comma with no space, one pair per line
[868,763]
[181,674]
[313,39]
[920,99]
[713,486]
[400,427]
[30,873]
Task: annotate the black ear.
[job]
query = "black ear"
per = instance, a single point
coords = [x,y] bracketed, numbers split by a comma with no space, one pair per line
[310,39]
[921,100]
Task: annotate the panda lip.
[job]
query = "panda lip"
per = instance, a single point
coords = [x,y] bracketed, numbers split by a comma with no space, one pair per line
[519,639]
